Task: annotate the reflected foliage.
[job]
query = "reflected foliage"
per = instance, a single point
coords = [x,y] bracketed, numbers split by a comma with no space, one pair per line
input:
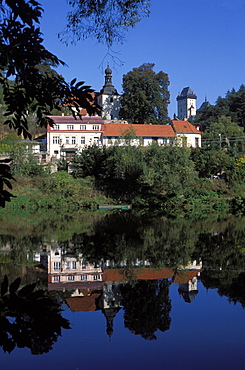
[28,318]
[128,240]
[147,307]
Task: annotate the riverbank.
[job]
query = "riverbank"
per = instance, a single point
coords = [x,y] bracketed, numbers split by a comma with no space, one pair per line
[60,192]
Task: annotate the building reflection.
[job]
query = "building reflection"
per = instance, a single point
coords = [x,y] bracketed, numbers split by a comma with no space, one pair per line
[140,289]
[90,287]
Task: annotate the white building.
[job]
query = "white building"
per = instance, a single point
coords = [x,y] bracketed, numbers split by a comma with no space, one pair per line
[186,101]
[69,135]
[187,134]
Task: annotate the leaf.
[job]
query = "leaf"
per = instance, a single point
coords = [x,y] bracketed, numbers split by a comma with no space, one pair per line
[26,290]
[14,286]
[73,81]
[79,84]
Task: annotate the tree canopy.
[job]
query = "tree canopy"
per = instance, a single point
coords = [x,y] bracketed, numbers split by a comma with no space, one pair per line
[232,105]
[145,96]
[105,20]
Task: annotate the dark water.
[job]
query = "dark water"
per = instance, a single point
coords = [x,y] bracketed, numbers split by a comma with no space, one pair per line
[136,292]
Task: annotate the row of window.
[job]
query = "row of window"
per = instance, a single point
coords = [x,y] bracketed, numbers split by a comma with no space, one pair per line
[82,277]
[82,127]
[72,140]
[70,265]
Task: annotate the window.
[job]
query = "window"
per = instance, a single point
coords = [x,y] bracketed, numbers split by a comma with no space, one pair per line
[57,265]
[73,140]
[96,140]
[82,127]
[56,139]
[67,140]
[111,100]
[56,127]
[84,266]
[82,139]
[83,277]
[56,152]
[74,265]
[71,278]
[56,278]
[196,142]
[70,127]
[68,265]
[96,277]
[96,127]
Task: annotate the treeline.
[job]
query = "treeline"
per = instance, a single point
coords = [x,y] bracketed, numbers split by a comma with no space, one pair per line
[232,105]
[163,177]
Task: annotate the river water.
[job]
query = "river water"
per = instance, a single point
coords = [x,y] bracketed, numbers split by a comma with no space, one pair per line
[123,291]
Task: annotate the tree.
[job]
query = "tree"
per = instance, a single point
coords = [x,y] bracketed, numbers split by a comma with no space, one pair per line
[24,84]
[147,307]
[145,96]
[22,54]
[106,20]
[223,132]
[232,105]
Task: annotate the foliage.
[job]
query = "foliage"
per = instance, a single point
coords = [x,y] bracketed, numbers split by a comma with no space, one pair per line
[24,83]
[29,318]
[232,105]
[23,162]
[145,96]
[5,182]
[147,307]
[168,170]
[106,20]
[210,162]
[223,133]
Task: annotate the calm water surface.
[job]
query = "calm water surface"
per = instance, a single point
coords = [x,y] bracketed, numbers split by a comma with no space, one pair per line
[148,293]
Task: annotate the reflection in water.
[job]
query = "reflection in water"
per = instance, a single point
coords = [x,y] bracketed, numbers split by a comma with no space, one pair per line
[143,292]
[28,318]
[122,262]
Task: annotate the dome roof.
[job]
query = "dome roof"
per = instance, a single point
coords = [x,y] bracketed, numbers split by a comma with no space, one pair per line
[108,71]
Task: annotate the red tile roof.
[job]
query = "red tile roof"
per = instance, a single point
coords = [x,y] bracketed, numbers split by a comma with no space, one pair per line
[184,127]
[118,129]
[182,276]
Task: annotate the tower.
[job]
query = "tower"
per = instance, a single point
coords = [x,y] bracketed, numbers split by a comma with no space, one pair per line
[109,99]
[186,101]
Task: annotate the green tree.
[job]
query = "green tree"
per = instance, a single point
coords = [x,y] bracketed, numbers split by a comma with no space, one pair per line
[22,54]
[105,20]
[212,162]
[168,170]
[232,105]
[223,133]
[145,96]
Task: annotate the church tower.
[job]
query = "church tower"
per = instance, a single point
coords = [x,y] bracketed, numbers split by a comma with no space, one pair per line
[108,98]
[186,101]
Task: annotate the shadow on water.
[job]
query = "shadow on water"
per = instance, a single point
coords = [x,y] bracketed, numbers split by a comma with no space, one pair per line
[29,318]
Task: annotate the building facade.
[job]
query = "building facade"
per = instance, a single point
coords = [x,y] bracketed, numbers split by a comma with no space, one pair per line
[69,135]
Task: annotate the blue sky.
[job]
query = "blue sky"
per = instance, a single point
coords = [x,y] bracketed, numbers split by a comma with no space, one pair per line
[198,43]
